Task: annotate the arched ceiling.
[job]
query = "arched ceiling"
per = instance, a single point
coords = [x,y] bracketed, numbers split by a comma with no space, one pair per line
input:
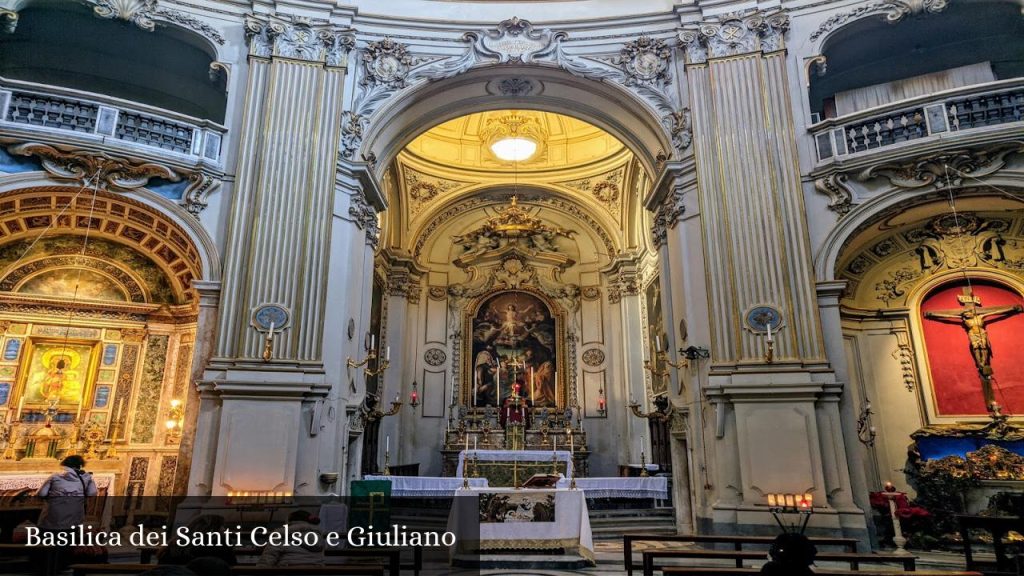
[463,143]
[452,162]
[885,262]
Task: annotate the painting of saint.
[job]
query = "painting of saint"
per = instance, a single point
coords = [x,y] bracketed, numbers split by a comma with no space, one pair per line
[656,333]
[513,337]
[57,373]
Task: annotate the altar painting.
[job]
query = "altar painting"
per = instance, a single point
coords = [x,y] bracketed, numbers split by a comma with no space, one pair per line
[973,348]
[57,372]
[513,344]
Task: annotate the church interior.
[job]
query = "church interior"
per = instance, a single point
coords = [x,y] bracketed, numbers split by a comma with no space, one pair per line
[637,286]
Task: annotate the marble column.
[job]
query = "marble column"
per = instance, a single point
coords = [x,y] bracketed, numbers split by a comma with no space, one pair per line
[776,417]
[625,293]
[269,407]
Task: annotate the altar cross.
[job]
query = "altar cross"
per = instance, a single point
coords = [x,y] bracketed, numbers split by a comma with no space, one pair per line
[973,319]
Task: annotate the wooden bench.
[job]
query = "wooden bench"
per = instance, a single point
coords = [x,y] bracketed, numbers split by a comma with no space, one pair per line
[704,571]
[850,544]
[247,570]
[741,556]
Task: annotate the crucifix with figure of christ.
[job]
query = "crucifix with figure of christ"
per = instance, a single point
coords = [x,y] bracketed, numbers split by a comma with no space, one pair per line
[974,320]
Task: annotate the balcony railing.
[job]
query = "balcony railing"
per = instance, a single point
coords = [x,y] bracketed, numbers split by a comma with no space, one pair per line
[92,116]
[960,110]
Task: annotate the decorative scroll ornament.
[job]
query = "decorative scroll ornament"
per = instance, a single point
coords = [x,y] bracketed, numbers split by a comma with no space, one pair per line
[298,39]
[946,168]
[96,168]
[365,218]
[352,126]
[733,34]
[514,272]
[666,217]
[605,188]
[893,10]
[9,20]
[138,12]
[199,189]
[836,187]
[385,62]
[645,61]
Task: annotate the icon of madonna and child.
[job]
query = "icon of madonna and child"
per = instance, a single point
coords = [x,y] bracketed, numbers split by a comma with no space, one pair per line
[514,352]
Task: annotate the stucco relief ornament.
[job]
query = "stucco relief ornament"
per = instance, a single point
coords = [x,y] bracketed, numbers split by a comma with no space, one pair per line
[138,12]
[386,62]
[297,39]
[836,187]
[946,168]
[733,34]
[96,169]
[645,61]
[365,218]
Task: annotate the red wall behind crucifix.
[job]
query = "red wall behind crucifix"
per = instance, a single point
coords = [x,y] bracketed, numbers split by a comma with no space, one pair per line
[956,385]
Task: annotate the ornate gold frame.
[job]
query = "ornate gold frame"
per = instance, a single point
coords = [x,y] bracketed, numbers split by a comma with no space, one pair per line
[561,358]
[88,386]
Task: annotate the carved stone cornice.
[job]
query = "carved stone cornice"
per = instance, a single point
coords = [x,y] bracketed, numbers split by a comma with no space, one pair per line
[298,39]
[733,34]
[837,188]
[94,168]
[365,218]
[946,168]
[515,272]
[893,10]
[625,283]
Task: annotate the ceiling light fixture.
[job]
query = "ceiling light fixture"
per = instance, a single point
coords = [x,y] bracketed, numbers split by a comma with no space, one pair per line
[514,148]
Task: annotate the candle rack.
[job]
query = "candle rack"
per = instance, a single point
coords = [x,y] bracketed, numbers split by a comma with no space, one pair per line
[800,504]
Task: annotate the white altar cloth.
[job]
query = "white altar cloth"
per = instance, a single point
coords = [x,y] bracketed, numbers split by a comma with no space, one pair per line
[569,531]
[427,486]
[615,487]
[516,456]
[34,481]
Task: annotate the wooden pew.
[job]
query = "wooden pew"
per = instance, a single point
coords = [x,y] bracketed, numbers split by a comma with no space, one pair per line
[247,570]
[731,571]
[850,544]
[741,556]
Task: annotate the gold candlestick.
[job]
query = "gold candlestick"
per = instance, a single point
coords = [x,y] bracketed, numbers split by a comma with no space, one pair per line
[643,465]
[387,461]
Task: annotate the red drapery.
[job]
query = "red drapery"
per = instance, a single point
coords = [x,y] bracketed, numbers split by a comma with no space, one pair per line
[955,381]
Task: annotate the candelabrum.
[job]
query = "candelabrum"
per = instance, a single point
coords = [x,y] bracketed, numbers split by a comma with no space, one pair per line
[662,409]
[800,504]
[374,414]
[380,364]
[865,431]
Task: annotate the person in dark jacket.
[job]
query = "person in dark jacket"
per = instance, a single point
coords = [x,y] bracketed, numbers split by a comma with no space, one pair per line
[64,497]
[791,555]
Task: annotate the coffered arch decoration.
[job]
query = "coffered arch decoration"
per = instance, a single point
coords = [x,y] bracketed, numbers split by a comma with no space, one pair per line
[888,262]
[139,251]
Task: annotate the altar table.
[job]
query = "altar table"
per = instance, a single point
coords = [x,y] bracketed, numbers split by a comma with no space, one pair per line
[427,486]
[513,528]
[655,487]
[510,456]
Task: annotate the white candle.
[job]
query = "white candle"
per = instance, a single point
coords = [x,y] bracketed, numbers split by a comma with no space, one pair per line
[387,353]
[373,342]
[387,444]
[467,442]
[768,325]
[532,391]
[657,343]
[474,443]
[476,383]
[554,447]
[270,335]
[572,443]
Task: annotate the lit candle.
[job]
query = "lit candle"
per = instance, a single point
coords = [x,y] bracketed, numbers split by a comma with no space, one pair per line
[772,501]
